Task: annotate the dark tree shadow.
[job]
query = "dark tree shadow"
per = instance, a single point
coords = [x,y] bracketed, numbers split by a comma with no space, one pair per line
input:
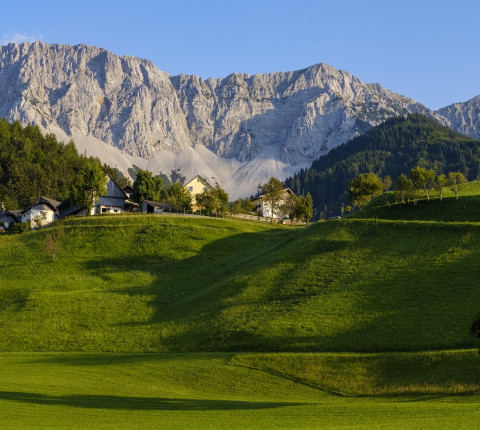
[90,401]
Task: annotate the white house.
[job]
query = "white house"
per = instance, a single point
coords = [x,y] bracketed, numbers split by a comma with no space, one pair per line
[263,207]
[43,212]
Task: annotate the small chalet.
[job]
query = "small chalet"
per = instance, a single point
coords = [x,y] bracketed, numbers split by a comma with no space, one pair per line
[151,207]
[10,217]
[262,206]
[43,212]
[196,186]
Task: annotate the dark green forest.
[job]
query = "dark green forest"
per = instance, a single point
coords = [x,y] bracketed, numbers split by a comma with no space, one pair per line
[392,148]
[33,165]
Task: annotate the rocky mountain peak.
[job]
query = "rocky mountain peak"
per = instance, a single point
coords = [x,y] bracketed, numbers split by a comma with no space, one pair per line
[239,130]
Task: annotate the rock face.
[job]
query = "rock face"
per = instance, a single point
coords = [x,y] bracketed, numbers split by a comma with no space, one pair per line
[253,126]
[463,117]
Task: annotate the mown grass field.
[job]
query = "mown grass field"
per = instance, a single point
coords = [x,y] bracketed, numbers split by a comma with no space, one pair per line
[183,322]
[198,391]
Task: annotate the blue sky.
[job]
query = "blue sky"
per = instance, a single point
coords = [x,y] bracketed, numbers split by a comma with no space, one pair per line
[425,49]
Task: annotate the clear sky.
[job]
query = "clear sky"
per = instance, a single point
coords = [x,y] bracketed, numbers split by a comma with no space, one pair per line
[425,49]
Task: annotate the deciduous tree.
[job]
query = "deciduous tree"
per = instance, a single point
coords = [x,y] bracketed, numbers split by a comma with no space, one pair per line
[177,195]
[146,186]
[440,184]
[455,181]
[403,186]
[304,208]
[364,188]
[89,185]
[423,179]
[288,205]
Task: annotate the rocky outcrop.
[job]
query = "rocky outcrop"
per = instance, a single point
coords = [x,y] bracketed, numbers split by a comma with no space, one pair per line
[463,117]
[257,126]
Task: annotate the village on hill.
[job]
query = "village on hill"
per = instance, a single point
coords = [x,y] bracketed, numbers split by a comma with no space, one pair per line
[197,199]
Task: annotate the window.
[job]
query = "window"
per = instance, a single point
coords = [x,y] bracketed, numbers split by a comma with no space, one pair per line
[190,189]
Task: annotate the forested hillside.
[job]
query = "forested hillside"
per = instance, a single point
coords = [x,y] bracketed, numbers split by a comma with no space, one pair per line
[33,165]
[392,148]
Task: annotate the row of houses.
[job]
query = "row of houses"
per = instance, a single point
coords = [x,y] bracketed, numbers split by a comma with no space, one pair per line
[46,210]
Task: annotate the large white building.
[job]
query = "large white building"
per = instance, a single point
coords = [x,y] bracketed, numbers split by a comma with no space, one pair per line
[263,206]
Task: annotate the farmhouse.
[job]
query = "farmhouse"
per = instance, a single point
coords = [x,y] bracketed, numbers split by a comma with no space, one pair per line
[263,207]
[43,212]
[196,186]
[113,201]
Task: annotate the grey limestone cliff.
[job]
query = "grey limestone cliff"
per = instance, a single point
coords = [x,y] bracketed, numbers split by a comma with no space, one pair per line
[463,117]
[263,123]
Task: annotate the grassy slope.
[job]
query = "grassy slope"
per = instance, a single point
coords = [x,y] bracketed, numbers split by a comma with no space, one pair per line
[124,391]
[171,284]
[466,209]
[181,284]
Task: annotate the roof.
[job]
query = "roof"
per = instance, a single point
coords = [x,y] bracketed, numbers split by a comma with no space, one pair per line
[53,204]
[199,177]
[260,197]
[66,208]
[119,187]
[13,214]
[127,187]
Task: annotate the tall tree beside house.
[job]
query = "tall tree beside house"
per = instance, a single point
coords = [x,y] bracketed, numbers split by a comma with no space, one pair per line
[273,194]
[177,195]
[289,205]
[303,210]
[242,206]
[213,200]
[146,187]
[89,185]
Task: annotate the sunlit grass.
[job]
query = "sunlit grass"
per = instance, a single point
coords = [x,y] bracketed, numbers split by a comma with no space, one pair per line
[212,391]
[172,284]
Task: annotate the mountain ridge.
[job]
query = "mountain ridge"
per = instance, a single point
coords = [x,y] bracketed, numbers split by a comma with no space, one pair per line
[127,111]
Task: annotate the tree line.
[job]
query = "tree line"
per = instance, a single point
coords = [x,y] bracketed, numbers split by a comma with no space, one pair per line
[420,183]
[32,165]
[392,148]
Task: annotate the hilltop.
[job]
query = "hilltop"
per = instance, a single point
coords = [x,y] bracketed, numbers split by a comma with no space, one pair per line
[465,209]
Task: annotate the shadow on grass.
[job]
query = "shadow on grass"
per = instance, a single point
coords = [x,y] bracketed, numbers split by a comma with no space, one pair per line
[90,401]
[107,359]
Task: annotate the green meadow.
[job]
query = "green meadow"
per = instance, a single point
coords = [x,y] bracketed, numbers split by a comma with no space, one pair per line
[188,322]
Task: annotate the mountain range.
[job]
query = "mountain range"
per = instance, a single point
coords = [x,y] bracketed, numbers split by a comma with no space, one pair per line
[237,131]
